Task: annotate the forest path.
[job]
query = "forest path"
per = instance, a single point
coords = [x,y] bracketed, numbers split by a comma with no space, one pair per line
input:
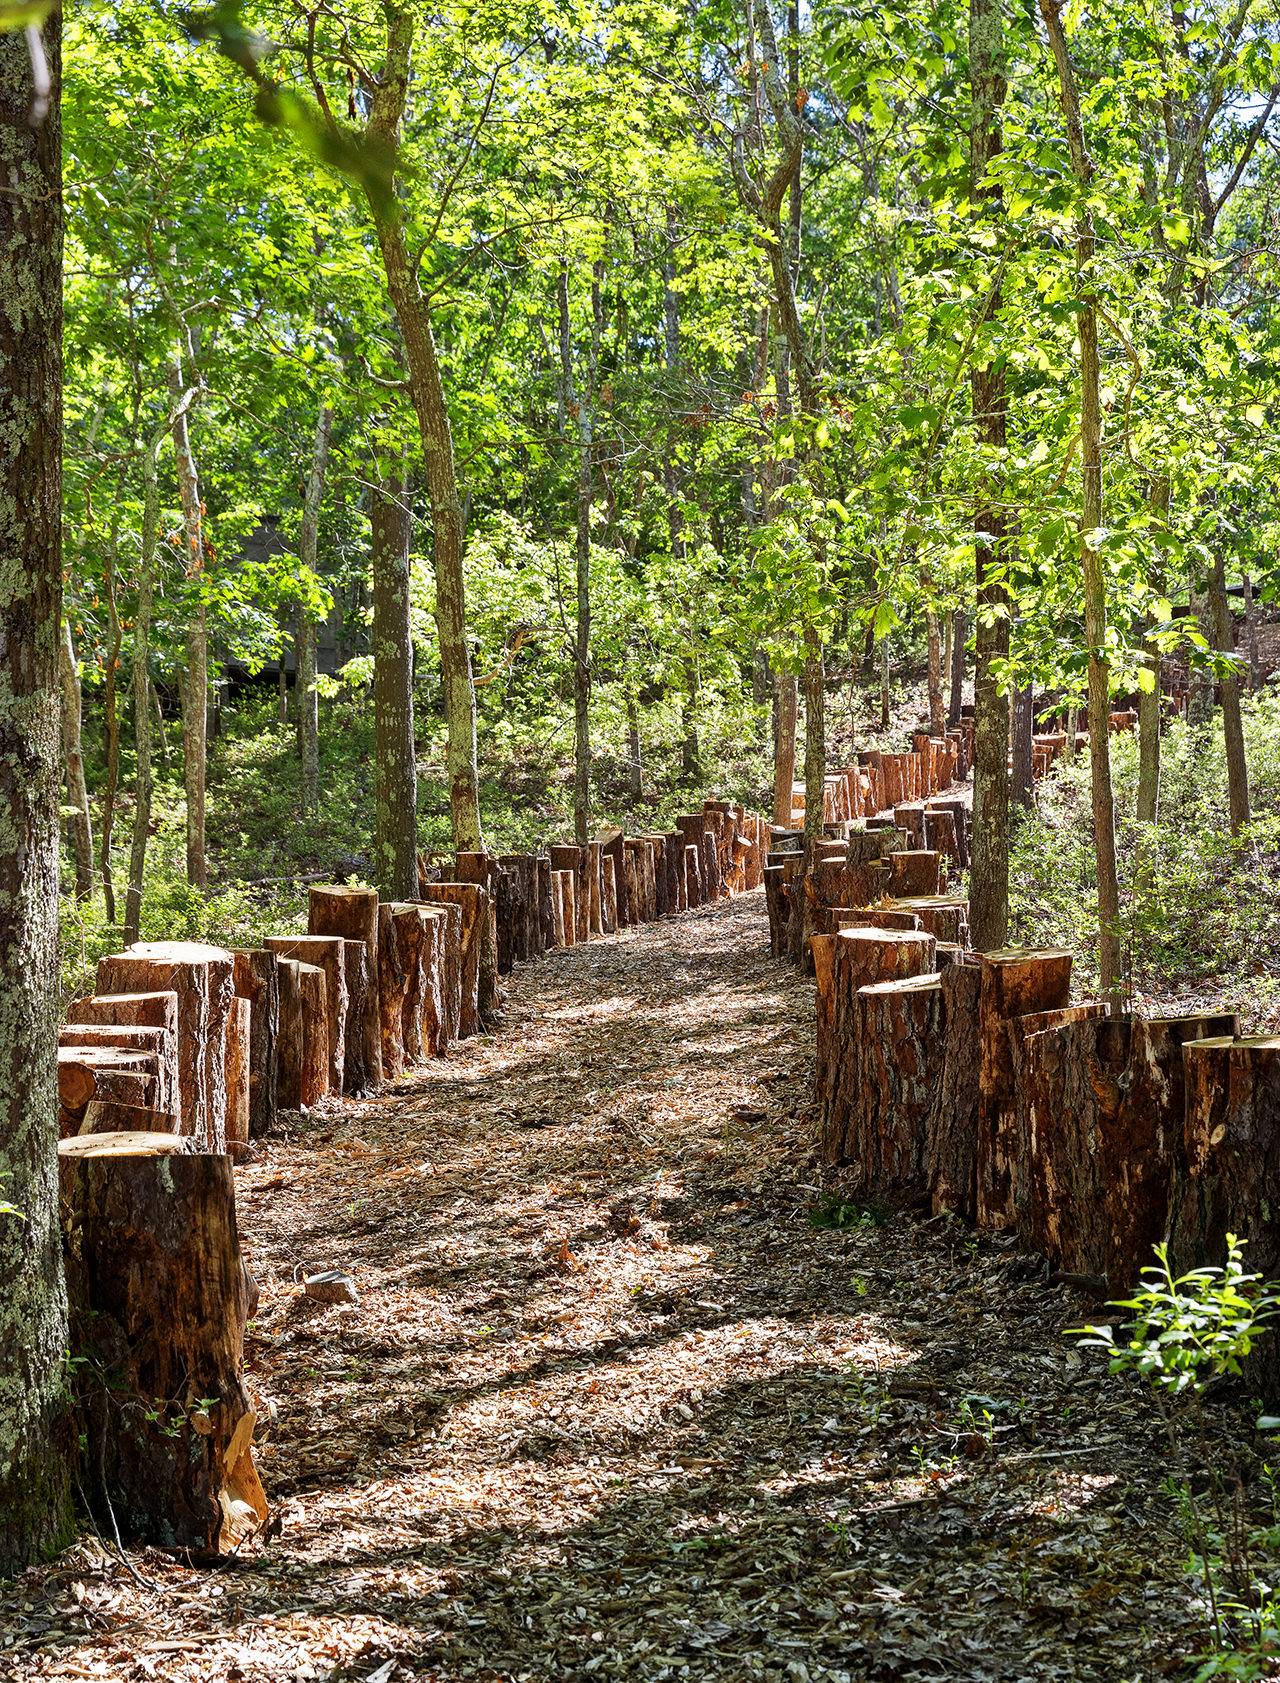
[611,1405]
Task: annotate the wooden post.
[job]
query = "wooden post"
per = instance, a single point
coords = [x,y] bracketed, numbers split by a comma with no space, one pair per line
[238,1034]
[609,895]
[256,979]
[303,1045]
[900,1047]
[327,952]
[159,1299]
[480,868]
[471,903]
[352,913]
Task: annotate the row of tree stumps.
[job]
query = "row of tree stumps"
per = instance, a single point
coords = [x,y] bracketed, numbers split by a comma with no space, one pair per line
[185,1054]
[970,1083]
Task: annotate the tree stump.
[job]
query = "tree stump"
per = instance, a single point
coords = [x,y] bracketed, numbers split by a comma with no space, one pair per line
[400,937]
[608,895]
[160,1043]
[159,1299]
[352,913]
[914,873]
[358,1075]
[137,1010]
[238,1036]
[634,888]
[944,916]
[202,978]
[900,1048]
[546,912]
[1100,1117]
[303,1044]
[106,1073]
[327,952]
[595,888]
[256,979]
[860,958]
[712,881]
[1015,983]
[450,968]
[673,865]
[472,904]
[613,846]
[481,869]
[109,1116]
[657,846]
[692,875]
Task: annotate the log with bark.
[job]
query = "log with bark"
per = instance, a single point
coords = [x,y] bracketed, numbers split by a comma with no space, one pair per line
[595,888]
[161,1043]
[900,1048]
[613,846]
[1100,1120]
[159,1299]
[110,1116]
[673,869]
[238,1036]
[202,978]
[481,868]
[86,1073]
[943,915]
[472,902]
[449,969]
[256,979]
[358,1075]
[303,1042]
[400,938]
[915,873]
[352,914]
[693,875]
[608,895]
[951,1148]
[860,958]
[328,952]
[1016,982]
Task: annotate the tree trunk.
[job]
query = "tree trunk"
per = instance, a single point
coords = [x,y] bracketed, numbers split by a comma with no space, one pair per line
[142,687]
[325,952]
[989,878]
[1024,726]
[195,677]
[937,707]
[427,392]
[353,914]
[785,712]
[256,979]
[111,707]
[956,699]
[34,1465]
[815,738]
[635,767]
[1232,722]
[884,683]
[395,780]
[73,756]
[307,674]
[1095,597]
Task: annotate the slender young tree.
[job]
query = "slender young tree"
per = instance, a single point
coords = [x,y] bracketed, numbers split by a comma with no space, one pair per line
[34,1451]
[395,788]
[195,677]
[1095,596]
[989,872]
[307,664]
[73,756]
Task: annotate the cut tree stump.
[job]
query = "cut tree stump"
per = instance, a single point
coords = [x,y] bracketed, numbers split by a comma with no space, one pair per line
[400,938]
[108,1116]
[914,873]
[303,1045]
[450,968]
[692,875]
[328,952]
[480,869]
[161,1043]
[565,857]
[943,915]
[673,869]
[861,957]
[1016,982]
[951,1150]
[1100,1118]
[595,888]
[202,978]
[359,1075]
[107,1073]
[471,902]
[608,895]
[256,979]
[159,1299]
[433,1023]
[899,1063]
[352,914]
[238,1035]
[613,846]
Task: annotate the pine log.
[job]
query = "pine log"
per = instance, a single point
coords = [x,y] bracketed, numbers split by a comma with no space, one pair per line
[657,843]
[909,816]
[673,866]
[546,910]
[517,914]
[159,1299]
[238,1033]
[613,846]
[256,979]
[161,1043]
[202,978]
[352,913]
[401,934]
[433,1019]
[566,857]
[951,1151]
[448,970]
[595,888]
[328,952]
[940,835]
[136,1010]
[870,917]
[900,1048]
[480,868]
[1100,1117]
[358,1076]
[609,895]
[943,915]
[86,1073]
[692,875]
[1016,982]
[955,807]
[303,1045]
[634,885]
[861,957]
[109,1116]
[472,903]
[712,881]
[914,873]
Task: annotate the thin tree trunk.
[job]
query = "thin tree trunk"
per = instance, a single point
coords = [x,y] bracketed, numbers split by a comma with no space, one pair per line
[34,1442]
[956,669]
[111,708]
[1149,720]
[427,391]
[785,710]
[815,737]
[195,678]
[73,757]
[1251,632]
[395,764]
[884,684]
[1023,745]
[584,403]
[989,868]
[635,767]
[282,692]
[1232,722]
[308,686]
[690,749]
[937,706]
[1095,598]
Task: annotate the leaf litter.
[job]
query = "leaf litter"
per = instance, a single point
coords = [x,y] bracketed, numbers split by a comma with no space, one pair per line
[613,1402]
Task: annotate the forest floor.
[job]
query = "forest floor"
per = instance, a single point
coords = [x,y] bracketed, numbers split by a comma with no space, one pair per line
[615,1404]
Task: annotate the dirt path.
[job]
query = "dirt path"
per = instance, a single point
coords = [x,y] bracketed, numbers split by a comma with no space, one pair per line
[612,1406]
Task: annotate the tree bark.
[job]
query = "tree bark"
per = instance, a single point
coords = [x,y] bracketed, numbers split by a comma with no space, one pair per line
[785,714]
[111,706]
[34,1463]
[308,693]
[395,781]
[1095,598]
[937,706]
[73,756]
[989,884]
[1232,722]
[195,677]
[1024,725]
[956,670]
